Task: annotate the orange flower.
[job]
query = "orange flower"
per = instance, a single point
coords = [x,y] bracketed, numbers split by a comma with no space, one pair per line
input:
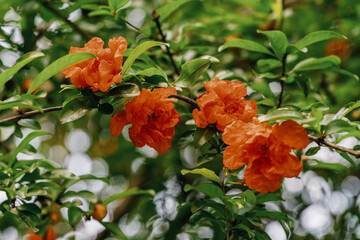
[50,234]
[223,103]
[98,73]
[153,118]
[265,150]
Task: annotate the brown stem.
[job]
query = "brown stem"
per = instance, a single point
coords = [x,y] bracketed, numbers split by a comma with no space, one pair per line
[282,80]
[130,24]
[186,99]
[226,207]
[48,6]
[30,113]
[163,38]
[321,141]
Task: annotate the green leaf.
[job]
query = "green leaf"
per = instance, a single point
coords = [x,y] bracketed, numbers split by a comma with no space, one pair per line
[29,123]
[311,64]
[336,167]
[117,4]
[245,228]
[268,197]
[192,71]
[347,109]
[278,41]
[201,216]
[247,45]
[75,214]
[315,37]
[114,229]
[106,108]
[271,214]
[21,62]
[312,151]
[209,174]
[281,114]
[338,126]
[138,51]
[347,158]
[75,109]
[24,143]
[208,189]
[57,66]
[204,158]
[90,196]
[203,135]
[126,90]
[130,192]
[92,177]
[166,10]
[350,134]
[8,105]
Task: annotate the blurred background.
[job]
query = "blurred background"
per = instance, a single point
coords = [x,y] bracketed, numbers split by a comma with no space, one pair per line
[323,203]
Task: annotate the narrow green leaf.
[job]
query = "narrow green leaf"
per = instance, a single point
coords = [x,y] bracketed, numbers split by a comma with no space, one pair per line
[114,229]
[192,71]
[75,109]
[24,144]
[209,189]
[347,158]
[126,90]
[268,197]
[311,64]
[130,192]
[347,109]
[75,214]
[281,114]
[21,62]
[57,66]
[166,10]
[29,123]
[8,105]
[209,174]
[84,194]
[272,214]
[354,133]
[203,135]
[92,177]
[240,226]
[117,4]
[315,37]
[138,51]
[247,45]
[278,41]
[336,167]
[338,126]
[312,151]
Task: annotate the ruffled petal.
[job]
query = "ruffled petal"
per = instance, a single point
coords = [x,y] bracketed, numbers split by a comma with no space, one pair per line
[117,123]
[291,134]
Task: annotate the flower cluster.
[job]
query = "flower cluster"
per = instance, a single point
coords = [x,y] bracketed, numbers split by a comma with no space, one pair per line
[98,73]
[223,104]
[265,149]
[153,118]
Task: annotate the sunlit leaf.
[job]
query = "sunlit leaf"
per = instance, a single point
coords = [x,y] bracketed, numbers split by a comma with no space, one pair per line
[166,10]
[57,66]
[336,167]
[203,135]
[317,37]
[21,62]
[75,214]
[130,192]
[137,52]
[247,45]
[211,190]
[29,123]
[114,229]
[209,174]
[311,64]
[281,114]
[278,41]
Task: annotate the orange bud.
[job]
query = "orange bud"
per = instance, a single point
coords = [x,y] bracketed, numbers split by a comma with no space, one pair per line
[33,236]
[25,85]
[50,234]
[55,218]
[99,211]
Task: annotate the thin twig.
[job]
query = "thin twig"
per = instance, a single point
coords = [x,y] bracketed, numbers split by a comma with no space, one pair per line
[47,5]
[226,207]
[30,113]
[186,99]
[130,24]
[321,141]
[282,80]
[163,38]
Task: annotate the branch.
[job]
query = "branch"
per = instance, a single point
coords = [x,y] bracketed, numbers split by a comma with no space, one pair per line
[321,141]
[163,38]
[282,80]
[186,99]
[130,24]
[29,114]
[47,5]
